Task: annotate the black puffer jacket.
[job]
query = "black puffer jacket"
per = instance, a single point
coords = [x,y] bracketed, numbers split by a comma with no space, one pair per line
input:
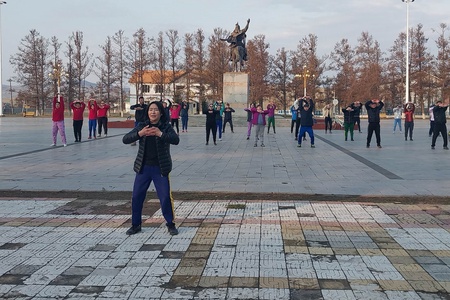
[162,145]
[439,114]
[373,114]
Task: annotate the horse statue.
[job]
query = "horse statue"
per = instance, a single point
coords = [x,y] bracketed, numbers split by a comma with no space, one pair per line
[238,52]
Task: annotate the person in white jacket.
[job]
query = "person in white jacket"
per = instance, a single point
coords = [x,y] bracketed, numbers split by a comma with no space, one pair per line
[397,118]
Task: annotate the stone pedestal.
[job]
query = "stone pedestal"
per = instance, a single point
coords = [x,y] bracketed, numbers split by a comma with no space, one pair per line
[235,91]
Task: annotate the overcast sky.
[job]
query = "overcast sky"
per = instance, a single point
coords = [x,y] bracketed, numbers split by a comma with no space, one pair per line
[283,22]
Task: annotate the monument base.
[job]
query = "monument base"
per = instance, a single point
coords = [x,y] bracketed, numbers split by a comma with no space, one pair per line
[236,91]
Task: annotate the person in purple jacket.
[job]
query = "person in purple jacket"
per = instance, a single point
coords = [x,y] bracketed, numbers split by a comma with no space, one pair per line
[259,123]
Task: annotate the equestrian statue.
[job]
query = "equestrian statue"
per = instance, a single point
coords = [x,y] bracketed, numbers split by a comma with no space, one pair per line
[238,52]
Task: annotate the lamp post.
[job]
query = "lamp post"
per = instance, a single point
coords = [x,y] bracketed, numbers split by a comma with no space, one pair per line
[407,51]
[58,71]
[1,92]
[305,75]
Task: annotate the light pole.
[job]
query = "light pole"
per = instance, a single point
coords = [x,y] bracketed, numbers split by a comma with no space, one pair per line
[1,92]
[305,75]
[407,51]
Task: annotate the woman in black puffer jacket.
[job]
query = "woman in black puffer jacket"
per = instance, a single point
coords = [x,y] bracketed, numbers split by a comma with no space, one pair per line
[153,163]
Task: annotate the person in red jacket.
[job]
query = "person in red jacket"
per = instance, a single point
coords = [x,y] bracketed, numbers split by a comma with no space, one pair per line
[408,110]
[77,107]
[58,120]
[102,118]
[93,107]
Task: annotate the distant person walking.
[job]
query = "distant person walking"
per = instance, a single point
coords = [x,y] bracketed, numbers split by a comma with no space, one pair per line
[77,116]
[440,121]
[58,120]
[431,130]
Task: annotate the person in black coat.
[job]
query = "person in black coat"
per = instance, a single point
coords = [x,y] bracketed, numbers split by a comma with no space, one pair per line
[306,121]
[373,108]
[211,126]
[349,122]
[153,163]
[440,121]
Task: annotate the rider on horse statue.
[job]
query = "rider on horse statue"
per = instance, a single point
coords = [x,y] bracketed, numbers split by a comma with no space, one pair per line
[237,38]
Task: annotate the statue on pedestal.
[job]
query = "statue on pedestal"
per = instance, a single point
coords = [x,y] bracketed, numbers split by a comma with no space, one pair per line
[238,52]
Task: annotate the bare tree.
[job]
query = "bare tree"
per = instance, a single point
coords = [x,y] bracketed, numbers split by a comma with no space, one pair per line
[105,69]
[82,65]
[139,58]
[31,65]
[217,63]
[443,61]
[160,64]
[420,66]
[396,70]
[369,67]
[188,62]
[175,64]
[258,68]
[281,76]
[120,42]
[199,66]
[343,61]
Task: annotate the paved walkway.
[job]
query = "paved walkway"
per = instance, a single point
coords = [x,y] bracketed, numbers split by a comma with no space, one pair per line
[60,248]
[405,168]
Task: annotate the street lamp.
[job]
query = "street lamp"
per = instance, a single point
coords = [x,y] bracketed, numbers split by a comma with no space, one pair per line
[305,75]
[407,50]
[1,98]
[58,71]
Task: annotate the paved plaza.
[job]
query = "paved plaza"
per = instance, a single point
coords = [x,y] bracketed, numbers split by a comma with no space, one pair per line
[70,247]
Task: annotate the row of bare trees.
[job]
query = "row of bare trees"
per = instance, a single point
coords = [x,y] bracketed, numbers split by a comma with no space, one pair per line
[348,73]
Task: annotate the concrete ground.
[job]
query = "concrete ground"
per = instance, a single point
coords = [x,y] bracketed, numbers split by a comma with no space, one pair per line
[286,240]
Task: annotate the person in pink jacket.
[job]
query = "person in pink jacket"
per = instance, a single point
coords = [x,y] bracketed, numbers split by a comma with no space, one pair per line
[175,115]
[259,123]
[58,120]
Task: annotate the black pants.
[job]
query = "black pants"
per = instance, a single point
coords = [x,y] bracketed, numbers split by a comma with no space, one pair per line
[442,129]
[102,122]
[328,123]
[358,122]
[77,125]
[430,132]
[175,122]
[292,125]
[409,126]
[225,123]
[211,128]
[373,127]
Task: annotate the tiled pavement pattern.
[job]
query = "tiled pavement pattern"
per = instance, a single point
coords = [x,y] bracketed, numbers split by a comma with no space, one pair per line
[50,249]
